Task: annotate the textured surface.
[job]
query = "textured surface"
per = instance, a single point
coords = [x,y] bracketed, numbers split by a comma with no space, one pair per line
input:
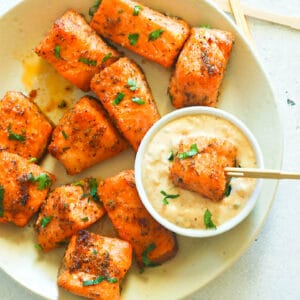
[270,268]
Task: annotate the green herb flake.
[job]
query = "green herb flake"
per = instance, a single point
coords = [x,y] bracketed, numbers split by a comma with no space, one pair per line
[93,189]
[133,38]
[87,61]
[1,201]
[94,8]
[38,247]
[131,84]
[138,100]
[14,136]
[64,135]
[205,26]
[228,190]
[120,96]
[154,35]
[146,260]
[45,221]
[94,251]
[290,102]
[171,156]
[78,183]
[43,180]
[136,10]
[106,57]
[32,159]
[62,104]
[120,11]
[85,219]
[57,51]
[193,151]
[208,221]
[168,196]
[98,280]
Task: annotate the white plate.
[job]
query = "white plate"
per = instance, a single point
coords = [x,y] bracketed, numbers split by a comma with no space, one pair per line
[245,92]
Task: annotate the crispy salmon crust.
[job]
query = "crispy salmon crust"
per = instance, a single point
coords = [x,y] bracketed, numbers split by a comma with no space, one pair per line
[136,112]
[75,50]
[84,137]
[204,172]
[152,243]
[134,26]
[94,266]
[22,191]
[67,209]
[200,68]
[24,130]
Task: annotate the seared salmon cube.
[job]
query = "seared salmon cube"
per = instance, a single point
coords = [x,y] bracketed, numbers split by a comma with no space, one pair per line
[84,137]
[151,242]
[75,50]
[24,130]
[68,209]
[23,188]
[140,29]
[124,93]
[200,68]
[199,165]
[94,266]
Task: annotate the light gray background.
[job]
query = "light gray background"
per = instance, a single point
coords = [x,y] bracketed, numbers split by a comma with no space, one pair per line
[270,268]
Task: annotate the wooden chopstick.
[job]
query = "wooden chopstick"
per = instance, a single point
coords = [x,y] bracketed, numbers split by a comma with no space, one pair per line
[260,173]
[292,22]
[240,19]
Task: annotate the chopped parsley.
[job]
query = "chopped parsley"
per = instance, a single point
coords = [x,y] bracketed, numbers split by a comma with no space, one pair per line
[120,96]
[290,102]
[16,137]
[85,219]
[45,221]
[193,151]
[64,135]
[146,260]
[94,251]
[168,196]
[136,10]
[171,156]
[1,201]
[32,160]
[93,184]
[43,180]
[133,38]
[209,224]
[87,61]
[205,26]
[98,280]
[57,51]
[38,246]
[138,100]
[94,8]
[62,104]
[131,84]
[106,57]
[228,189]
[154,35]
[78,183]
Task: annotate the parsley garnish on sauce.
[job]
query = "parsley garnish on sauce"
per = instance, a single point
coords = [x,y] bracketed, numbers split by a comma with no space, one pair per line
[209,224]
[57,51]
[14,136]
[45,221]
[93,184]
[193,151]
[120,96]
[138,100]
[133,38]
[64,135]
[168,196]
[78,183]
[205,26]
[85,219]
[106,57]
[131,84]
[94,8]
[38,247]
[154,35]
[228,189]
[32,160]
[1,201]
[62,104]
[43,180]
[146,260]
[87,61]
[136,10]
[171,156]
[98,280]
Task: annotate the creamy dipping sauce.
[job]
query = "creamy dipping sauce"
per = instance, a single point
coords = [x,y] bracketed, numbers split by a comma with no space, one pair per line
[188,209]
